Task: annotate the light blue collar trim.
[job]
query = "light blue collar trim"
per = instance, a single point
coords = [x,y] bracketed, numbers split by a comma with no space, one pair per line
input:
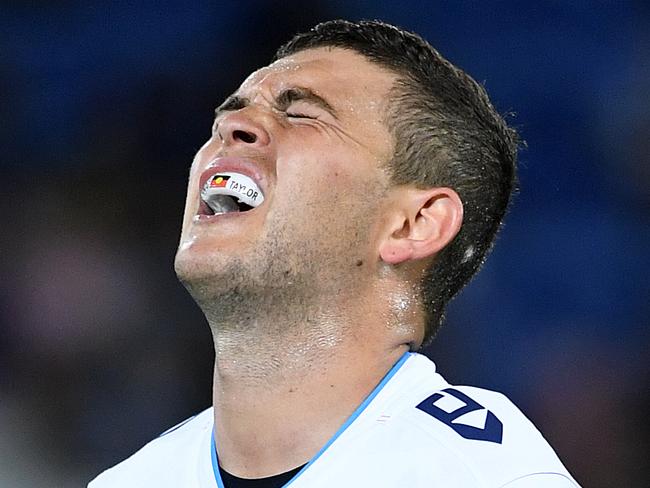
[215,462]
[343,428]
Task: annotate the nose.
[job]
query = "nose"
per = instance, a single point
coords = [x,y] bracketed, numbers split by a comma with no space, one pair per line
[243,127]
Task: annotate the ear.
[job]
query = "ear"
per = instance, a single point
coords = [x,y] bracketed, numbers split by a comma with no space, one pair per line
[422,224]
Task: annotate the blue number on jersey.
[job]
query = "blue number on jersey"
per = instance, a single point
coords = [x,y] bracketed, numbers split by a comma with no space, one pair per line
[491,432]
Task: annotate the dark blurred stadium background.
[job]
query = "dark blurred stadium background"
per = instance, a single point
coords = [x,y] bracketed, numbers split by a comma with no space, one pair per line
[102,106]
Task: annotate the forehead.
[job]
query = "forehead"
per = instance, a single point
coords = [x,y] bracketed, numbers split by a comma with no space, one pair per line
[346,79]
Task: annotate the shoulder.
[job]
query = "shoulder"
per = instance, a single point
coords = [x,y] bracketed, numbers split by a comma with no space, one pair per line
[473,429]
[172,459]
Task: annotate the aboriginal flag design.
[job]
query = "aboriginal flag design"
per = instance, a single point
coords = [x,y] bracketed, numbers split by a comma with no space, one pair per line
[219,181]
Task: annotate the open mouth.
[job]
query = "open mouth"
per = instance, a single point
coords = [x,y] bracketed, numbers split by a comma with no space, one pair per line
[222,204]
[226,193]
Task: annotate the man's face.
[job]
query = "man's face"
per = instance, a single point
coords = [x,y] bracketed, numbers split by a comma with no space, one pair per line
[308,129]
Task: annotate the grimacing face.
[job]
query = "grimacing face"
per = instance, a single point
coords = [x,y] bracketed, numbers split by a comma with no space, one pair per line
[317,154]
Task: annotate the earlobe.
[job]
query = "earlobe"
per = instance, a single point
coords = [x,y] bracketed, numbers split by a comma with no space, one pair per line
[395,252]
[426,222]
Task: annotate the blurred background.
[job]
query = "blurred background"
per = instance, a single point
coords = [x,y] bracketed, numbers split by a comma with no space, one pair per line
[102,107]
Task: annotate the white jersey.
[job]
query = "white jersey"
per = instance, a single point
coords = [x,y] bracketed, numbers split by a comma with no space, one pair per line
[414,430]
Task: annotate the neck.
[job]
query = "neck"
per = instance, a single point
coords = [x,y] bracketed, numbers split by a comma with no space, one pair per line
[281,389]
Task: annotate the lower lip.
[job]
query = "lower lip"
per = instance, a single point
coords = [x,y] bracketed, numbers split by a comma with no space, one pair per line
[205,218]
[216,217]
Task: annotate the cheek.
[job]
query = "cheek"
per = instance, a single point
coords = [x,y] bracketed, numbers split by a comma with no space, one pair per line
[316,159]
[319,174]
[318,188]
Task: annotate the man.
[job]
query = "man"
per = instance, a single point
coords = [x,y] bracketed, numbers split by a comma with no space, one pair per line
[348,192]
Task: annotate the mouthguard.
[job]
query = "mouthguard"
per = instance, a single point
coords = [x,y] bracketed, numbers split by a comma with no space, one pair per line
[235,185]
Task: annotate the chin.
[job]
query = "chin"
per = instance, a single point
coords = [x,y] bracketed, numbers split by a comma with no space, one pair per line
[199,279]
[191,265]
[200,254]
[204,266]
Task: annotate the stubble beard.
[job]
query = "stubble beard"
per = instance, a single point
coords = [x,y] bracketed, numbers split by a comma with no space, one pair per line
[280,303]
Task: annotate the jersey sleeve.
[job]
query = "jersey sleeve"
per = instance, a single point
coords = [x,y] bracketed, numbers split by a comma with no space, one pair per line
[542,480]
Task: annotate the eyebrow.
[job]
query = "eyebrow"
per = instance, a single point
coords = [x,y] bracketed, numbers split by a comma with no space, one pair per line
[233,102]
[282,102]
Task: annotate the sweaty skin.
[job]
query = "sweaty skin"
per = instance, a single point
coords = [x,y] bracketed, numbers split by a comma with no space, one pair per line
[307,295]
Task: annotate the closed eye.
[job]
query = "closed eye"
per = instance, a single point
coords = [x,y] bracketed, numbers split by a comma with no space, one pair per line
[302,103]
[299,115]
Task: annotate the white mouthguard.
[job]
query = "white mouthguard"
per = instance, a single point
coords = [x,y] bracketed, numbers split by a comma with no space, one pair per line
[233,185]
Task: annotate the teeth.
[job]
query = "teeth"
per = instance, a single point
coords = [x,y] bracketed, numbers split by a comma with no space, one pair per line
[220,187]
